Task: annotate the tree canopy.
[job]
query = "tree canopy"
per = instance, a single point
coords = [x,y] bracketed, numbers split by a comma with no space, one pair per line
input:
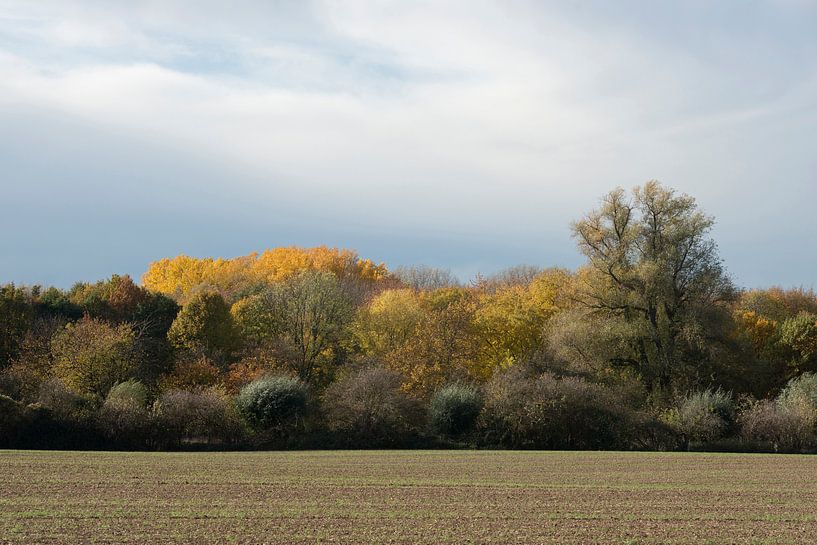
[648,344]
[653,264]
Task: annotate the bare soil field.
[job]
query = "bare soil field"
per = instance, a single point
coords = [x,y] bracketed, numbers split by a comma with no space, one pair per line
[406,497]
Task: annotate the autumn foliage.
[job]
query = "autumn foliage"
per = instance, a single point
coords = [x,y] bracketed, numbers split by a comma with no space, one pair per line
[180,275]
[647,345]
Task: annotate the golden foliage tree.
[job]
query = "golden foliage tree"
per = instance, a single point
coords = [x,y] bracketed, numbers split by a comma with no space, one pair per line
[388,321]
[457,333]
[428,337]
[511,319]
[179,276]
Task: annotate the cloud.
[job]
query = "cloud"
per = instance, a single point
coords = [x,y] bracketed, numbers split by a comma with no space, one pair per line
[476,121]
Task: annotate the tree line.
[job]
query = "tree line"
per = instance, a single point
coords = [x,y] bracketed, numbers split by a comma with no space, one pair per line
[649,345]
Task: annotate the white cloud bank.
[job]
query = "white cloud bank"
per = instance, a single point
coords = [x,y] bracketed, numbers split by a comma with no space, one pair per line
[493,123]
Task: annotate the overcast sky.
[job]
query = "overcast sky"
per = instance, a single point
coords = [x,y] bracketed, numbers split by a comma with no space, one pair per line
[465,135]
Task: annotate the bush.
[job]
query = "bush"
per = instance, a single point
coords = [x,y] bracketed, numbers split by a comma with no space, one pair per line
[255,364]
[65,404]
[61,418]
[454,409]
[11,384]
[33,365]
[32,426]
[191,373]
[787,424]
[369,409]
[124,418]
[702,416]
[273,402]
[12,421]
[781,426]
[202,417]
[652,433]
[525,410]
[800,390]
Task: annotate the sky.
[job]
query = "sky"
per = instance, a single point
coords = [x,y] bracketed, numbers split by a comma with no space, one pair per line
[462,135]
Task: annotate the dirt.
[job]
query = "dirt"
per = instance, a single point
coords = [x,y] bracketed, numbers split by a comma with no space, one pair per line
[406,497]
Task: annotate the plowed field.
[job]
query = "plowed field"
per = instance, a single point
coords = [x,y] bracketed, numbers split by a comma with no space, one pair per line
[406,497]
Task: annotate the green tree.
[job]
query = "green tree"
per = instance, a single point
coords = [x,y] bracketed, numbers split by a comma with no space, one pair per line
[151,319]
[54,303]
[119,299]
[653,264]
[454,409]
[274,402]
[799,335]
[205,327]
[90,355]
[255,318]
[15,318]
[307,316]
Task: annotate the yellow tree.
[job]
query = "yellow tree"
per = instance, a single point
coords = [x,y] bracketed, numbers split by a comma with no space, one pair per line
[181,275]
[387,322]
[759,330]
[511,319]
[434,342]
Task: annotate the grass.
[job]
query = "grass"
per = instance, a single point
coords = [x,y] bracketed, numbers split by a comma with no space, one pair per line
[406,497]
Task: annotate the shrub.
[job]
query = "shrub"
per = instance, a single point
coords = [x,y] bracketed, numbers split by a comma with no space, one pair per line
[254,365]
[131,391]
[11,384]
[203,417]
[65,404]
[61,418]
[23,378]
[191,373]
[33,426]
[124,417]
[12,421]
[702,416]
[800,390]
[782,426]
[368,408]
[525,410]
[454,409]
[273,402]
[652,433]
[789,423]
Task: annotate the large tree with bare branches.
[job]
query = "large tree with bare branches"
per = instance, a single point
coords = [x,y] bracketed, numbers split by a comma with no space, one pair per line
[653,264]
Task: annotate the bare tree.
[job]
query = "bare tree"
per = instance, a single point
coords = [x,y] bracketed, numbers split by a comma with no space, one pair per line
[422,277]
